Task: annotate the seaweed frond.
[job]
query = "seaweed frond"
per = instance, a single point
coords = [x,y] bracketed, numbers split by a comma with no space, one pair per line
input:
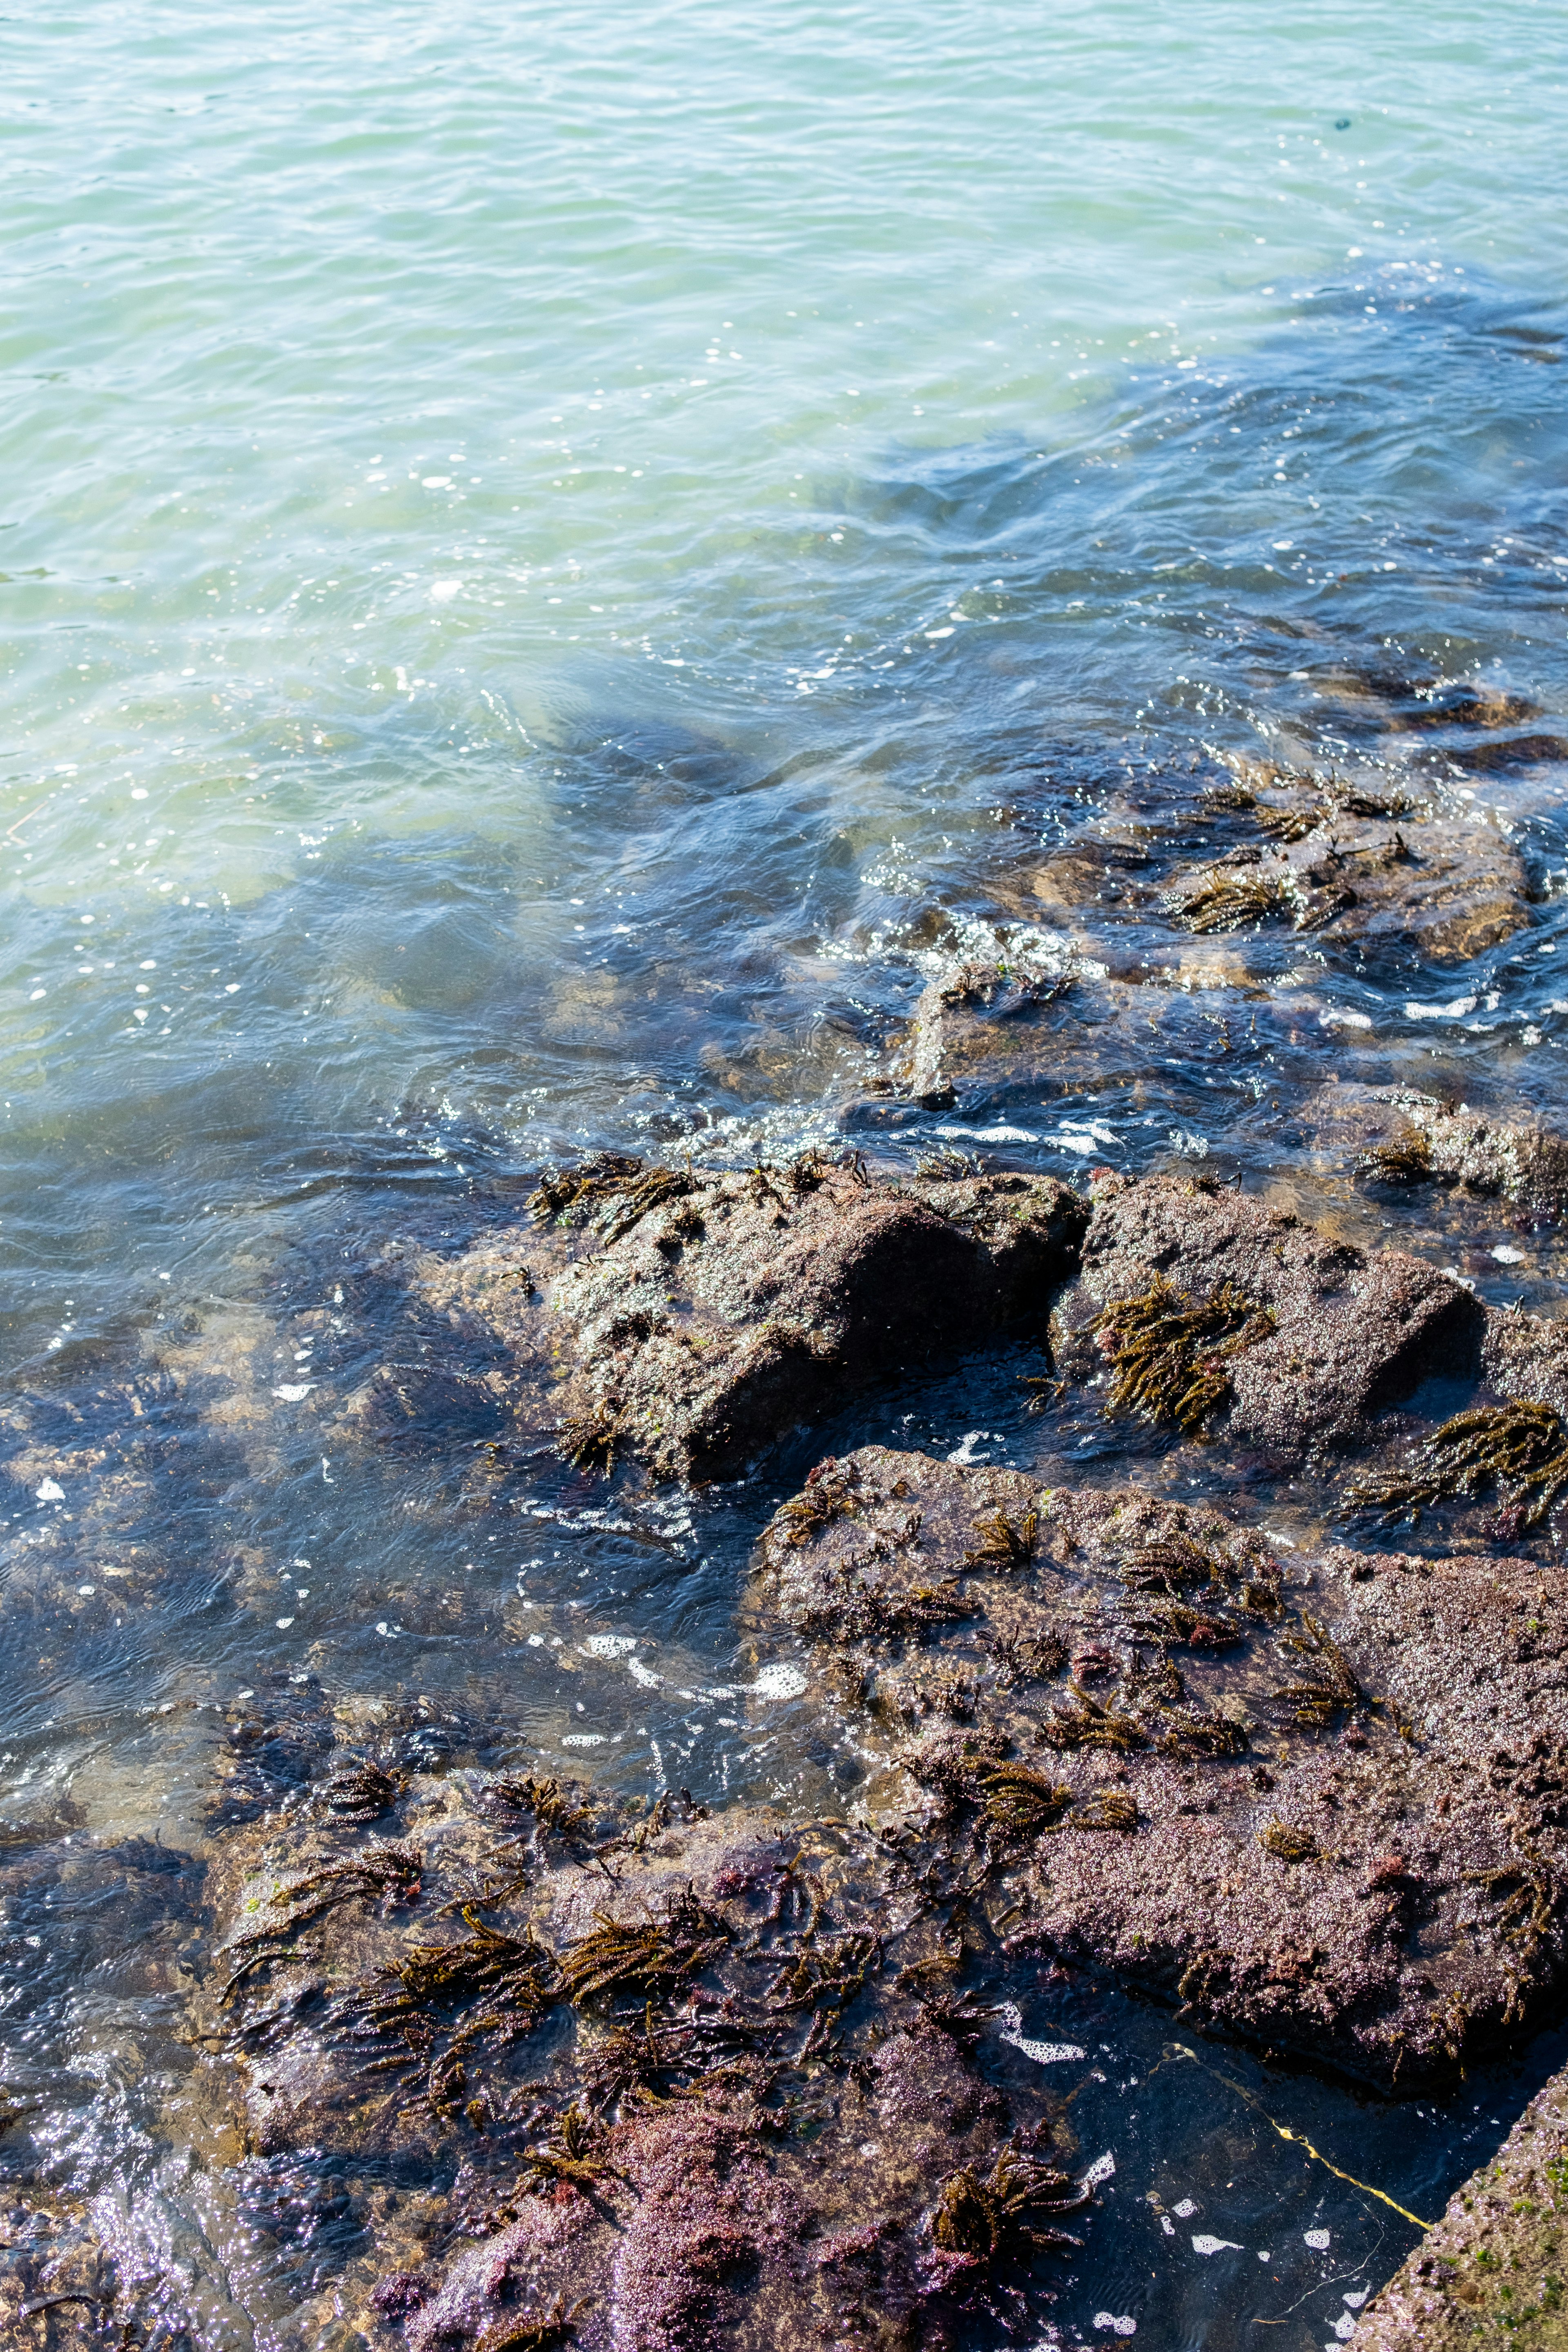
[1019,1802]
[649,1958]
[529,2331]
[859,1612]
[1001,1544]
[1086,1724]
[588,1440]
[1290,1845]
[1330,1688]
[1202,1739]
[391,1874]
[1406,1160]
[997,2217]
[1112,1809]
[546,1801]
[1521,1448]
[1528,1894]
[1170,1355]
[1286,826]
[1174,1566]
[1175,1623]
[583,1185]
[571,2152]
[360,1792]
[1224,899]
[827,1975]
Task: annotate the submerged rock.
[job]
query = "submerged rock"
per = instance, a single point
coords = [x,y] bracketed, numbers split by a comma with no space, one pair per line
[1211,1310]
[703,1314]
[1499,2257]
[1401,1137]
[1319,1801]
[649,2084]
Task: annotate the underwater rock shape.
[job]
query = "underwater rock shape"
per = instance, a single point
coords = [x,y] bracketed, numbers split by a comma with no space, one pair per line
[1209,1309]
[1498,2258]
[1317,1800]
[703,1313]
[1400,1137]
[980,1034]
[774,2125]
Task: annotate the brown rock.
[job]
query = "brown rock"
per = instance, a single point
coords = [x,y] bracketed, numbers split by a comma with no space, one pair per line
[1322,1800]
[1323,1336]
[705,1314]
[1403,1137]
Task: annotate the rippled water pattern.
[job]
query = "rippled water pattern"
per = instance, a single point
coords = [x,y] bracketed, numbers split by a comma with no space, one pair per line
[556,568]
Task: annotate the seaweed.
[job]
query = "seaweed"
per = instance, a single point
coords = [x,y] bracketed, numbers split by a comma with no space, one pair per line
[548,1802]
[1018,1802]
[1168,1356]
[649,1958]
[1040,1659]
[949,1166]
[820,1501]
[1174,1565]
[1406,1160]
[1331,1688]
[1194,1629]
[861,1612]
[390,1874]
[1277,1837]
[994,2218]
[583,1185]
[1228,800]
[588,1440]
[647,2066]
[529,2331]
[1194,1739]
[515,1979]
[1287,825]
[1529,1900]
[827,1975]
[1521,1448]
[1217,901]
[1112,1809]
[1002,1545]
[571,2152]
[360,1792]
[1086,1724]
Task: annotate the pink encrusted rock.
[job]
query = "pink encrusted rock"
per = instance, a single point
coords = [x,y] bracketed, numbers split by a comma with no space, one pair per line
[1319,1801]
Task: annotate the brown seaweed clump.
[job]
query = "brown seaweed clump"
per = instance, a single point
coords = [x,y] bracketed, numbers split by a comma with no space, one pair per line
[1396,1727]
[1170,1355]
[1521,1450]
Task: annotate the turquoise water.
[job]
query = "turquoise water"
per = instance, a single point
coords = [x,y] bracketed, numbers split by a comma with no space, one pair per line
[549,565]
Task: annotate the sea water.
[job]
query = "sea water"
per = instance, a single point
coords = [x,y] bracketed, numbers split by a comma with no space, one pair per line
[550,561]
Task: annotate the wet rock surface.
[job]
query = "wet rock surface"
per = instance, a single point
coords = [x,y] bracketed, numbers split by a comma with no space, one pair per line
[1317,1800]
[703,1314]
[1209,1310]
[1496,2262]
[1394,1136]
[654,2082]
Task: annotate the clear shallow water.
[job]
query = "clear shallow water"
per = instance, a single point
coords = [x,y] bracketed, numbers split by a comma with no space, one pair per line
[550,574]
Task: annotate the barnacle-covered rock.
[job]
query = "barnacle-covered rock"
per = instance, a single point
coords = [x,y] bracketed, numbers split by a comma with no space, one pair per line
[1206,1309]
[1318,1799]
[703,1313]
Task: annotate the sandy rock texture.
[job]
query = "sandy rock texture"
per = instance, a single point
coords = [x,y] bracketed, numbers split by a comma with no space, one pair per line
[1495,2269]
[703,1314]
[1203,1307]
[1320,1800]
